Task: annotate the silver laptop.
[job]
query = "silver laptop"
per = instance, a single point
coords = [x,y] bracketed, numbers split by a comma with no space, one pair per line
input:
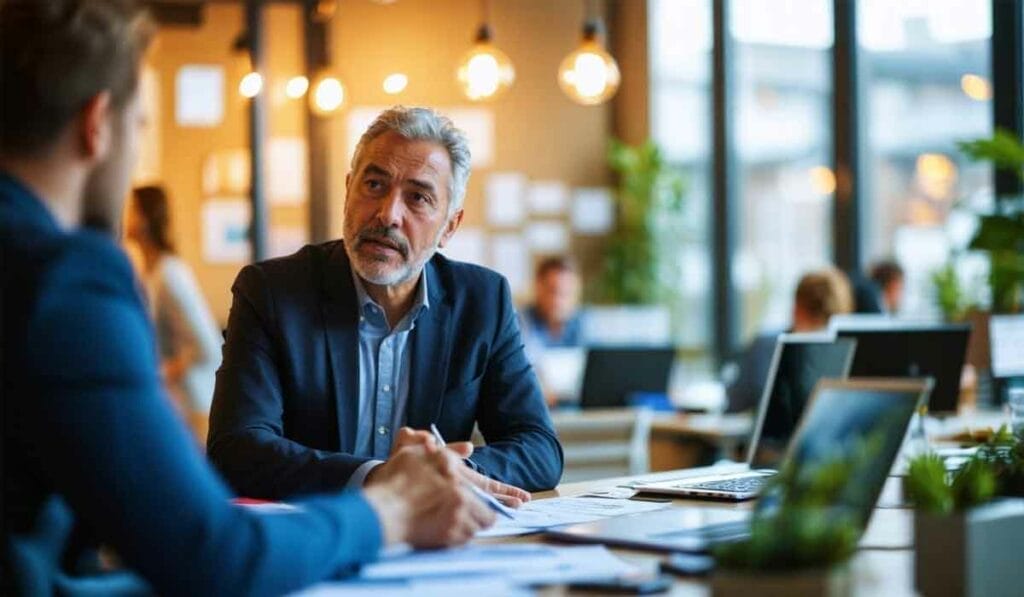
[841,416]
[798,363]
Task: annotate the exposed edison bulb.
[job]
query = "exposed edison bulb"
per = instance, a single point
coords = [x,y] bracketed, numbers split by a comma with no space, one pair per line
[327,96]
[395,83]
[485,72]
[251,85]
[589,75]
[296,87]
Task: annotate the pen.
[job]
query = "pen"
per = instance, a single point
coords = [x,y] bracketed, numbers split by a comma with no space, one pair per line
[485,497]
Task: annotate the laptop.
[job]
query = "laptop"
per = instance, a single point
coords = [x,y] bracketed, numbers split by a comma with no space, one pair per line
[612,374]
[914,350]
[798,363]
[841,414]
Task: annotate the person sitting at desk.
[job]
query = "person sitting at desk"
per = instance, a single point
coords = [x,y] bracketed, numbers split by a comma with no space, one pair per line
[819,296]
[92,452]
[330,351]
[554,321]
[888,276]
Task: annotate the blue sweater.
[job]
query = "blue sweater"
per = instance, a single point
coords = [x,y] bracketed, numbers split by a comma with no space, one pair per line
[88,432]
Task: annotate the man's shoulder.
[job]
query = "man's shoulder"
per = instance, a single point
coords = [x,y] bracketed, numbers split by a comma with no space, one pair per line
[301,268]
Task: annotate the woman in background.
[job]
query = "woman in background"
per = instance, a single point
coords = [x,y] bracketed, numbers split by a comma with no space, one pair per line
[188,337]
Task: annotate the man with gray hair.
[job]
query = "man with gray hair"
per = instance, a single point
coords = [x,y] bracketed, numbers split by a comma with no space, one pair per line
[342,353]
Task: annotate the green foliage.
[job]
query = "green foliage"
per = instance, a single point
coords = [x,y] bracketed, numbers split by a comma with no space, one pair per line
[997,468]
[808,531]
[950,294]
[1001,234]
[638,267]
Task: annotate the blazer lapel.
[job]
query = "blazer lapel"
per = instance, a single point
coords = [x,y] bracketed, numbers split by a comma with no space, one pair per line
[341,327]
[431,344]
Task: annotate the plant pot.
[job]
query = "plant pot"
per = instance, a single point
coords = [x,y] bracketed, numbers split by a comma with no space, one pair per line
[825,582]
[971,554]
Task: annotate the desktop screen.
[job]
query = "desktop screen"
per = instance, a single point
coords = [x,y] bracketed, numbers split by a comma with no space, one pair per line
[1006,334]
[801,364]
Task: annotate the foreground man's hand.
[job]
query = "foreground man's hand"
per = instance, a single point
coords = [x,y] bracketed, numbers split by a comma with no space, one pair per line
[421,501]
[456,452]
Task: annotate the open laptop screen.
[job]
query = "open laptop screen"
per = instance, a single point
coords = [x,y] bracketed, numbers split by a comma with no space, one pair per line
[861,422]
[800,363]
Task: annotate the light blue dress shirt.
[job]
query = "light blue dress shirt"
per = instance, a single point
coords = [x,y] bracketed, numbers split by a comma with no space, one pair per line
[384,366]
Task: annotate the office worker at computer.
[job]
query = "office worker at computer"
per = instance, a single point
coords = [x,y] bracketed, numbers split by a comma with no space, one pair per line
[331,351]
[819,295]
[888,277]
[554,319]
[92,452]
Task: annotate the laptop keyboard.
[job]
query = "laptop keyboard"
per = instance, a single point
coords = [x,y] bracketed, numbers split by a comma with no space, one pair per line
[751,484]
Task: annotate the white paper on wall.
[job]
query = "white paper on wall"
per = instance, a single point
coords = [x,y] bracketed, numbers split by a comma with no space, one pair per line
[467,244]
[511,258]
[287,174]
[199,96]
[548,197]
[147,171]
[505,202]
[226,231]
[547,237]
[593,210]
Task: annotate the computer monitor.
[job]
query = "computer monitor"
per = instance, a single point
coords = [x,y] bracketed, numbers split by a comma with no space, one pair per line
[798,364]
[612,374]
[925,350]
[1006,338]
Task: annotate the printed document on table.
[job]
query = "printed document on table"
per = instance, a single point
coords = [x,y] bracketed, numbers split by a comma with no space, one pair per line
[542,514]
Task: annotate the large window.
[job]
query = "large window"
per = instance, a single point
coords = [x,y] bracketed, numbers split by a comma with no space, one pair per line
[783,145]
[681,117]
[926,83]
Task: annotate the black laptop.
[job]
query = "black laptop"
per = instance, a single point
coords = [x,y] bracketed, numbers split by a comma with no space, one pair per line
[841,414]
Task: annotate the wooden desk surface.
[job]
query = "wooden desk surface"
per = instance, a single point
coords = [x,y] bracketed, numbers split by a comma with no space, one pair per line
[884,565]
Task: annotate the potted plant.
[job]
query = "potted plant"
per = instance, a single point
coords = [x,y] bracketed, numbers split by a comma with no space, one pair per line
[966,542]
[802,544]
[637,268]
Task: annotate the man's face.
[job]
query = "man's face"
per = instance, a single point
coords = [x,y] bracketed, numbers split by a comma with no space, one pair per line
[558,295]
[893,294]
[107,186]
[396,211]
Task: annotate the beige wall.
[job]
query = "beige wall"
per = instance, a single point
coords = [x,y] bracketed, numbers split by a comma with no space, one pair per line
[538,130]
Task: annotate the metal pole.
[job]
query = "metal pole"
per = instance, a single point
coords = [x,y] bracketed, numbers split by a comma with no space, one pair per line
[1007,75]
[257,132]
[846,220]
[724,212]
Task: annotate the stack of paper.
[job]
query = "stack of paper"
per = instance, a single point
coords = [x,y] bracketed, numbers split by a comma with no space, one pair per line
[480,570]
[543,514]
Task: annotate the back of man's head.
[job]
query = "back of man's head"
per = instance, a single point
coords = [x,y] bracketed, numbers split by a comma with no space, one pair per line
[55,55]
[822,294]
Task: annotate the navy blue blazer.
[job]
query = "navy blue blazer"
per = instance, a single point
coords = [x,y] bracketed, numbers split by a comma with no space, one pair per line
[284,410]
[93,451]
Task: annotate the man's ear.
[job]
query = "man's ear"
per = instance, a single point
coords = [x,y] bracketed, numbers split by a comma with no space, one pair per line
[450,228]
[95,126]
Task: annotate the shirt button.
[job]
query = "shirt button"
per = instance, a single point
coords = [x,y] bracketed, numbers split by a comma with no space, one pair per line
[382,430]
[387,388]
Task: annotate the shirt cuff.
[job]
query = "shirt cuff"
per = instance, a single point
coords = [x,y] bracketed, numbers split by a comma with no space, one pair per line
[358,478]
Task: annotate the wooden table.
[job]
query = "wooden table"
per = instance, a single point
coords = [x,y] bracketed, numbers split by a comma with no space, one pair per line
[884,565]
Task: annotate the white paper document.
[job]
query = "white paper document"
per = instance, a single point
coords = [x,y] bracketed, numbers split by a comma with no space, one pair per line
[593,210]
[547,237]
[548,197]
[521,564]
[511,257]
[542,514]
[445,587]
[199,95]
[505,202]
[287,174]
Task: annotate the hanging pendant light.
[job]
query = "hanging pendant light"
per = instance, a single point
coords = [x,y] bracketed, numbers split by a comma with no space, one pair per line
[327,94]
[251,83]
[485,72]
[589,75]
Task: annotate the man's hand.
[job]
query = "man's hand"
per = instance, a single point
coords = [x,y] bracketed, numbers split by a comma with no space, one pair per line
[422,502]
[456,452]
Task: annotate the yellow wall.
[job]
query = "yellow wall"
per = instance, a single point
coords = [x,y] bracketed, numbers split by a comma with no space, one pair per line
[538,130]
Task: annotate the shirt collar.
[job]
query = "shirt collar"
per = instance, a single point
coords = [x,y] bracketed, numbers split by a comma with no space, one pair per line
[421,302]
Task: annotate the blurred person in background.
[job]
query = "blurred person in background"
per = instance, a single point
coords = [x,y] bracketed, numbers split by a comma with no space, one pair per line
[888,276]
[187,335]
[819,296]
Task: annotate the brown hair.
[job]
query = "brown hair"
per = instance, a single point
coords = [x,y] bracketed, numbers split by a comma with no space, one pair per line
[57,54]
[824,293]
[151,203]
[555,263]
[885,272]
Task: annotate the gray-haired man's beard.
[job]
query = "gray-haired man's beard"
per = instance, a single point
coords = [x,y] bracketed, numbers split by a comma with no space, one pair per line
[401,273]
